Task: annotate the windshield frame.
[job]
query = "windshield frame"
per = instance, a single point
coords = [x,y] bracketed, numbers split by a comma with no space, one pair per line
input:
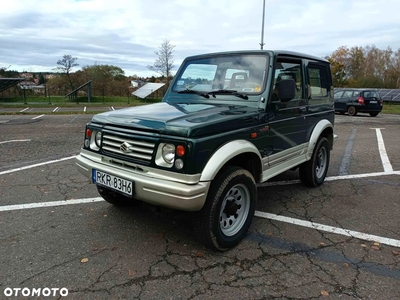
[245,66]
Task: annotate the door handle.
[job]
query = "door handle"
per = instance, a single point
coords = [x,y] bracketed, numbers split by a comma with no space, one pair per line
[302,109]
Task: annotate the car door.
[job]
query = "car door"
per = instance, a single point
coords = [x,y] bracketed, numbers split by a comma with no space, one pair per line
[287,119]
[348,97]
[339,104]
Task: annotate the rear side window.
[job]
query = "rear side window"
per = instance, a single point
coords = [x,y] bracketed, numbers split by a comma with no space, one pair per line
[319,89]
[370,94]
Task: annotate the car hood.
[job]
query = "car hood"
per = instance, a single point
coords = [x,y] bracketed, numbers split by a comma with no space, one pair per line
[181,119]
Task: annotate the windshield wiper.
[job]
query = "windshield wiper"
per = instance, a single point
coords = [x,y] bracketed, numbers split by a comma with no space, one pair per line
[228,92]
[187,91]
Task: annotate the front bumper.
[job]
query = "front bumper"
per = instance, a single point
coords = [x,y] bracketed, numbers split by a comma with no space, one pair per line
[151,185]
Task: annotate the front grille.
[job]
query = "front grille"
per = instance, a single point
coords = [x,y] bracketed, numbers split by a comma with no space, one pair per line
[128,146]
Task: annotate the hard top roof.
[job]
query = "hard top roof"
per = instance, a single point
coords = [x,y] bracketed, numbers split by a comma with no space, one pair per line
[270,52]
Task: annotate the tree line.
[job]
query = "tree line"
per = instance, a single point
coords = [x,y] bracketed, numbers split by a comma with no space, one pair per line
[107,80]
[365,67]
[359,67]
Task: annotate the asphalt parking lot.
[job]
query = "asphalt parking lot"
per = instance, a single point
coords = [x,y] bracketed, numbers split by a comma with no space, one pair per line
[341,240]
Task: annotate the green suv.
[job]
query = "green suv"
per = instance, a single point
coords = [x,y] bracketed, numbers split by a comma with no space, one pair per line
[227,122]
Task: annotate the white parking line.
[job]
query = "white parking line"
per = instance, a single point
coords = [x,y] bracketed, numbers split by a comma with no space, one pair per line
[25,109]
[49,204]
[84,109]
[331,178]
[57,108]
[387,167]
[112,108]
[308,224]
[37,165]
[13,141]
[37,117]
[331,229]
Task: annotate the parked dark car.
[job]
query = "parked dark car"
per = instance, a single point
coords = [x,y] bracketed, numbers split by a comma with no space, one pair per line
[354,101]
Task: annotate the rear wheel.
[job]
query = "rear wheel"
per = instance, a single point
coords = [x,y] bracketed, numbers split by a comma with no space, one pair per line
[115,198]
[229,209]
[352,111]
[373,114]
[313,172]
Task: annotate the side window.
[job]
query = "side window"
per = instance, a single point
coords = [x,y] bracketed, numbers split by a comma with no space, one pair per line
[338,94]
[348,94]
[288,69]
[318,84]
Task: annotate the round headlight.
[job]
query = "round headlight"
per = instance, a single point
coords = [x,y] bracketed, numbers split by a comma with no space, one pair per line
[168,153]
[97,139]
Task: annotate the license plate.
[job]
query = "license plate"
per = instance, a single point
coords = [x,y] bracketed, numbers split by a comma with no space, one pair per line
[373,102]
[113,182]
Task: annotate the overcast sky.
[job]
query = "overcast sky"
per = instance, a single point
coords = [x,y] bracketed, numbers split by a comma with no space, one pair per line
[34,34]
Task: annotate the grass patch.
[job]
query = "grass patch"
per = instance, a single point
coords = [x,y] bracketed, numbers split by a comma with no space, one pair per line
[391,108]
[80,101]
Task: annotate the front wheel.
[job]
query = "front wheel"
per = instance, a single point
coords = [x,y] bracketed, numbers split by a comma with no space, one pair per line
[229,209]
[313,172]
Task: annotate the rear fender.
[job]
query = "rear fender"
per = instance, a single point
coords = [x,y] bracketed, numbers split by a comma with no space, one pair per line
[225,154]
[317,132]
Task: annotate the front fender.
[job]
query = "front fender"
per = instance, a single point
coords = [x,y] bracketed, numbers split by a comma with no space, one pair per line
[317,132]
[224,154]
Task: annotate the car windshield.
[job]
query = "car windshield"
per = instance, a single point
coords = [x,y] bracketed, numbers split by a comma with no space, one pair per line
[236,75]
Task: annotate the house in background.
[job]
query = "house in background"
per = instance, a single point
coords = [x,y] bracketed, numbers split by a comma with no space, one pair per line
[137,83]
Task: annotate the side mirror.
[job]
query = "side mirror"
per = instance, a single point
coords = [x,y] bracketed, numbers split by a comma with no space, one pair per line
[287,89]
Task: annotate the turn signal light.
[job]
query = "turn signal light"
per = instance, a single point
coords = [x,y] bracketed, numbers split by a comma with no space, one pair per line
[88,133]
[180,150]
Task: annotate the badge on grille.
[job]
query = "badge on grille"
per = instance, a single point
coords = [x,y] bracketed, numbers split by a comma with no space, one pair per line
[125,147]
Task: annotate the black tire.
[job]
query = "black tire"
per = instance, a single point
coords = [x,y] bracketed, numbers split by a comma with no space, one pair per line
[352,111]
[115,198]
[313,172]
[229,209]
[373,114]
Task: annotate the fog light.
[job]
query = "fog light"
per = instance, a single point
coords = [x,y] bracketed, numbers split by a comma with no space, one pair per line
[179,164]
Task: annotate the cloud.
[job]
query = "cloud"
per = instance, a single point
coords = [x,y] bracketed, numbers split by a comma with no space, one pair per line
[35,34]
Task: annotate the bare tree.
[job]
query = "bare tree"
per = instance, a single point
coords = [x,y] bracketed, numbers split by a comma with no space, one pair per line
[65,66]
[164,63]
